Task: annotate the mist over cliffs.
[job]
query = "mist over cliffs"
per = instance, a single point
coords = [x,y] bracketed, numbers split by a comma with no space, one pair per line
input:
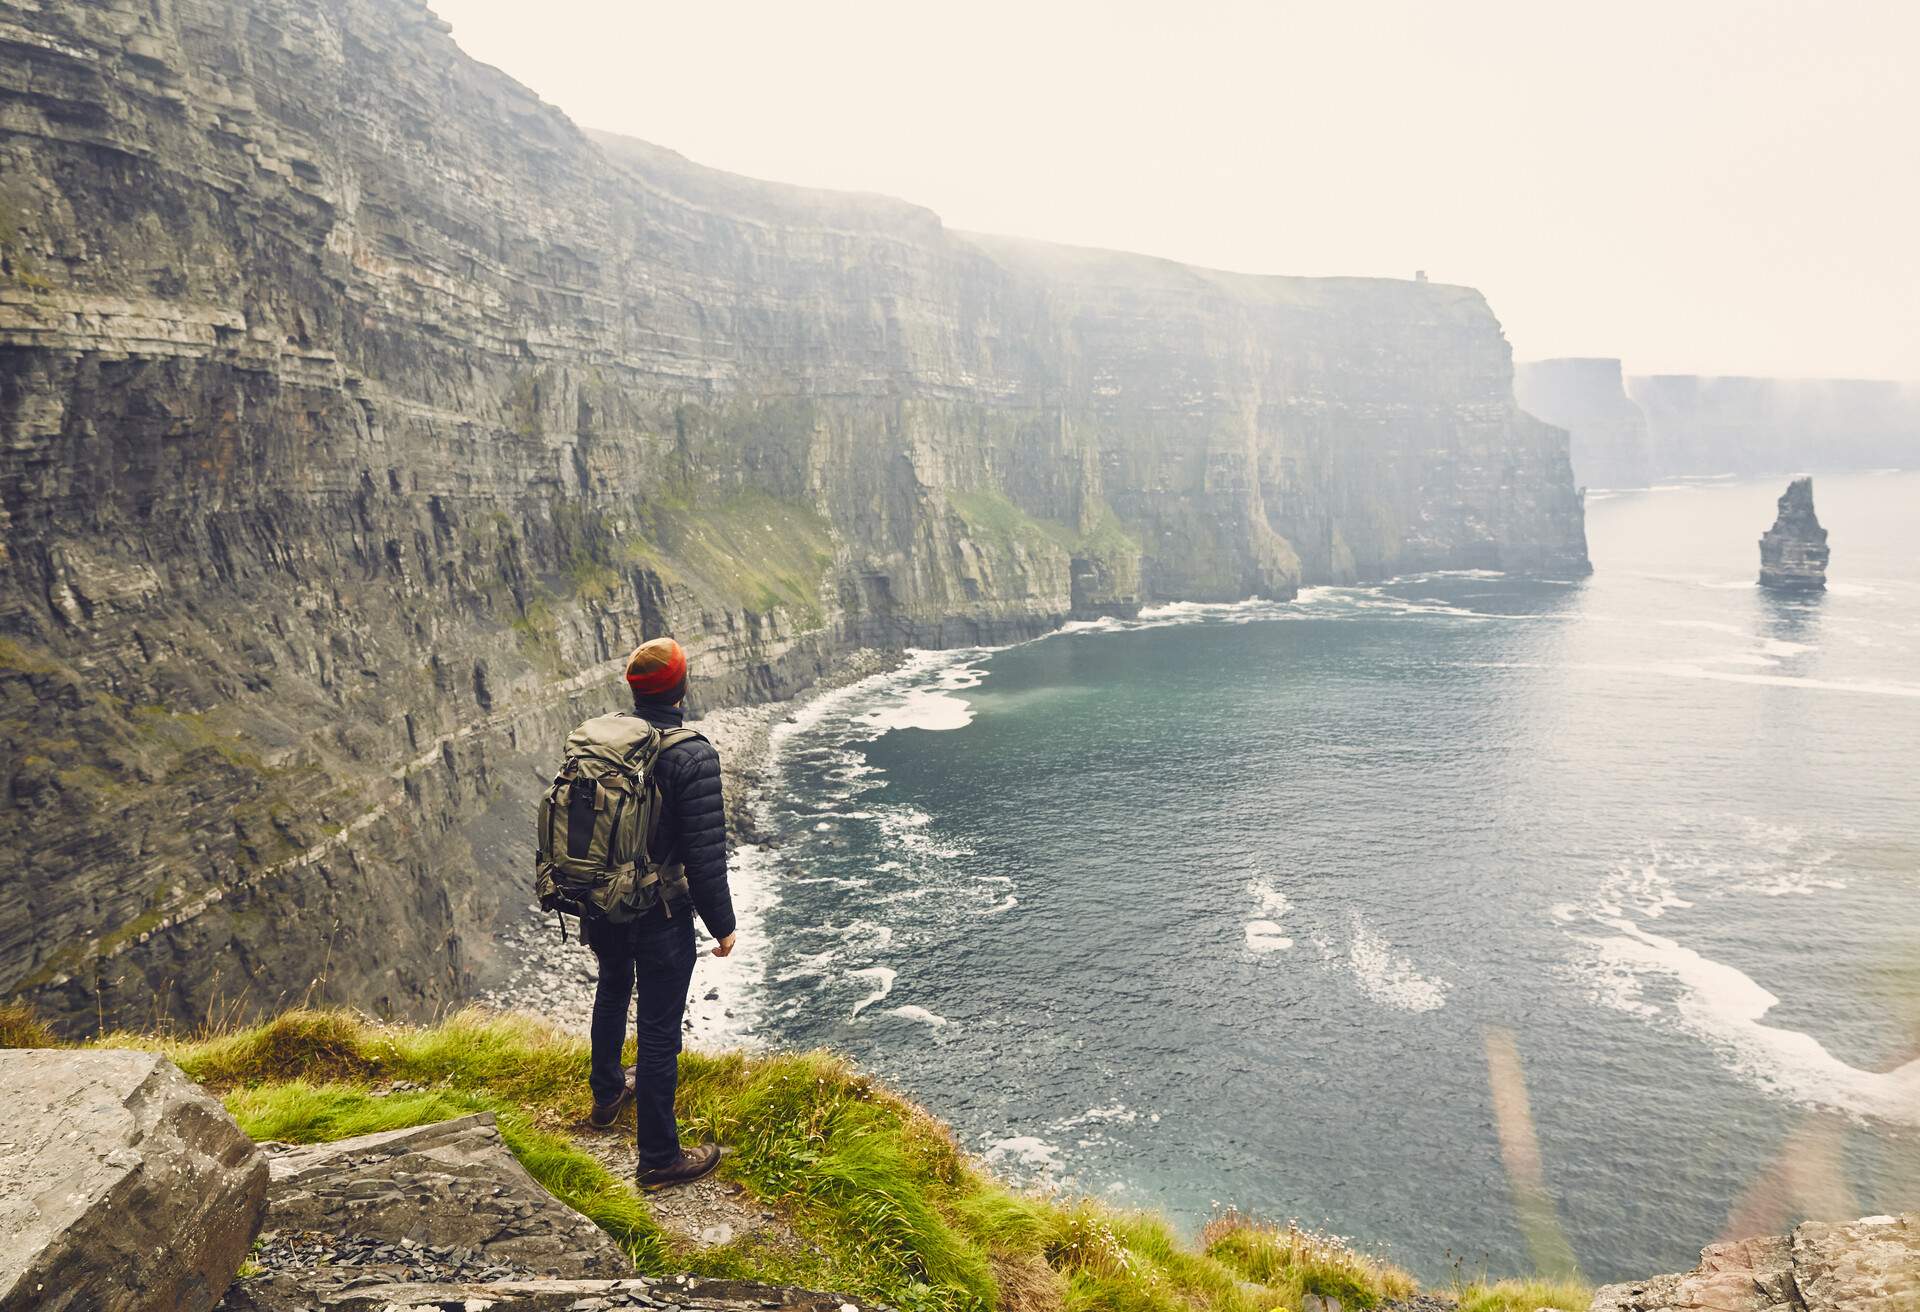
[1607,432]
[1735,425]
[1630,431]
[357,411]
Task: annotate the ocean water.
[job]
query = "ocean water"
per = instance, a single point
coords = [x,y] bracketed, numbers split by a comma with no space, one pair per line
[1497,923]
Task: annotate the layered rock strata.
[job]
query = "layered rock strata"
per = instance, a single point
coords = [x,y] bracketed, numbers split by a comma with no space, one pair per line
[1793,553]
[358,412]
[1607,431]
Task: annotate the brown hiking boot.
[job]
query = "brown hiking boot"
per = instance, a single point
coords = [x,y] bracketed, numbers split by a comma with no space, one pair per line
[606,1115]
[694,1164]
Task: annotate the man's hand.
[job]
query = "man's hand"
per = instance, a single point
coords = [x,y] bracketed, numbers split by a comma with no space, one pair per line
[724,946]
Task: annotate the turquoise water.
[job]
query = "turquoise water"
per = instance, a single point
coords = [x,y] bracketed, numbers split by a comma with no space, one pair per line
[1492,922]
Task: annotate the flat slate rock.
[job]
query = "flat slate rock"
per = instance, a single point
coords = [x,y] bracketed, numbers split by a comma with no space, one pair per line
[1870,1265]
[447,1199]
[123,1185]
[684,1293]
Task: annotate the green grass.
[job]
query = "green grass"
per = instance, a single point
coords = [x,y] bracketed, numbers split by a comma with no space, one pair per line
[1522,1296]
[994,520]
[885,1204]
[1295,1259]
[751,550]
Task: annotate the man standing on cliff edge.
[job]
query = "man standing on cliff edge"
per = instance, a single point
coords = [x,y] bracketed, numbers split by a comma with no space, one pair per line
[655,951]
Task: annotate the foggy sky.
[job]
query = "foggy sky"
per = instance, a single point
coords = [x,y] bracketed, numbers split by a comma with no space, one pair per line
[1696,186]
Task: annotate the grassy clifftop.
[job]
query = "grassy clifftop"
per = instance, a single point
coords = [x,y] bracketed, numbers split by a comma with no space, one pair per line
[889,1207]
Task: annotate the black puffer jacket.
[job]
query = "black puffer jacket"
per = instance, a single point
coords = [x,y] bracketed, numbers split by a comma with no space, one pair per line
[693,820]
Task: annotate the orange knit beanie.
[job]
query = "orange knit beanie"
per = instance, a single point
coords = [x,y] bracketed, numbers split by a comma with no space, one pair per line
[657,668]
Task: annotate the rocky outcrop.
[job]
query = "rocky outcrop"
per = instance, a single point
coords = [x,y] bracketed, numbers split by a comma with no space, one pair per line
[449,1187]
[358,412]
[123,1185]
[1793,553]
[1608,434]
[443,1215]
[1751,426]
[1871,1265]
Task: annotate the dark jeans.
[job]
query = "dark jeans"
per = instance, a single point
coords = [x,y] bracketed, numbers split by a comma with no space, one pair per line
[653,956]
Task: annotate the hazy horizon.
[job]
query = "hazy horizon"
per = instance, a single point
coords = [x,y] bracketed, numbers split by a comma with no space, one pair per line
[1705,189]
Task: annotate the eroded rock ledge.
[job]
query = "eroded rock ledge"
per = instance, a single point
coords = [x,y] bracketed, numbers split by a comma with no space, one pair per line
[1870,1265]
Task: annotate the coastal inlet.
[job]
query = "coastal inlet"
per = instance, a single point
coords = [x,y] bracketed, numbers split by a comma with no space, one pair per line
[1350,908]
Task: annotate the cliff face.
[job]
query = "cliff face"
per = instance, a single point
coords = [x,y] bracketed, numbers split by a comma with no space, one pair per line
[1775,425]
[358,413]
[1608,433]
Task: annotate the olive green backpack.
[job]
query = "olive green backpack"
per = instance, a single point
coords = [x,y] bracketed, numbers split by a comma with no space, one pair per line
[596,823]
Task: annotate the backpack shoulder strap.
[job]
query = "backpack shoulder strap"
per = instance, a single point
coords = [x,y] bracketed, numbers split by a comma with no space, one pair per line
[673,737]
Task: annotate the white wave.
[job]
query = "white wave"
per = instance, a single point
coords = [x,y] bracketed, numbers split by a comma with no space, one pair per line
[1106,624]
[808,966]
[1269,899]
[1264,933]
[1451,574]
[724,1002]
[1768,860]
[1388,977]
[879,937]
[1032,1160]
[1266,936]
[939,673]
[1641,888]
[1007,904]
[909,830]
[1199,610]
[831,881]
[918,1014]
[1118,1114]
[933,707]
[1790,883]
[1722,1005]
[882,976]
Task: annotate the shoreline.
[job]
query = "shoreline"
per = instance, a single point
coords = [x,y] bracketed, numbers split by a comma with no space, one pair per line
[556,979]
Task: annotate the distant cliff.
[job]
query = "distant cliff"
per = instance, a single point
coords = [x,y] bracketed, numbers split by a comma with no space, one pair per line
[1608,433]
[1777,425]
[356,410]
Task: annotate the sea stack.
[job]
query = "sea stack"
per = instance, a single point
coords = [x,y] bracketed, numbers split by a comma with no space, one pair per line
[1793,553]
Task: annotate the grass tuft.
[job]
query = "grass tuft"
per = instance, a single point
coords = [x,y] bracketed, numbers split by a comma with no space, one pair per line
[20,1028]
[1522,1296]
[1291,1258]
